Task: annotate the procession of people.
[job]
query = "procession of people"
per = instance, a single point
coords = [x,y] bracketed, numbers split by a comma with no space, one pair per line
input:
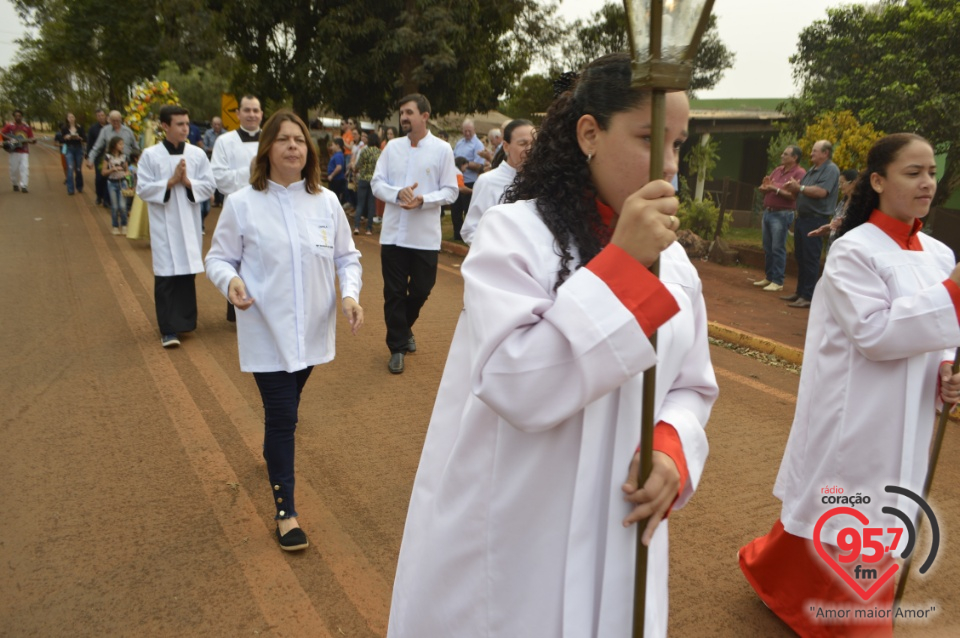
[528,500]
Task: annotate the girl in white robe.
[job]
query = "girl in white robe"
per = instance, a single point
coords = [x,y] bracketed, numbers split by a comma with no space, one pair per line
[885,317]
[521,517]
[279,247]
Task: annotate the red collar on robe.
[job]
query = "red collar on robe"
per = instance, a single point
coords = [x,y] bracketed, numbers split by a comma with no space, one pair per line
[605,232]
[901,232]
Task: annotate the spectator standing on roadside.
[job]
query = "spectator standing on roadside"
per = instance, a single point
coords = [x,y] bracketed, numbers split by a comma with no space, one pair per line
[778,209]
[470,147]
[848,179]
[816,197]
[366,165]
[337,169]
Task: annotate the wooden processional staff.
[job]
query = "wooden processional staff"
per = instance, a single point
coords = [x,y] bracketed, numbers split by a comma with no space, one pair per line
[664,37]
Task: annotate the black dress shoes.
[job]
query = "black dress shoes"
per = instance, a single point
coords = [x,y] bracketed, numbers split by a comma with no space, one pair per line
[799,303]
[293,541]
[396,363]
[792,297]
[411,344]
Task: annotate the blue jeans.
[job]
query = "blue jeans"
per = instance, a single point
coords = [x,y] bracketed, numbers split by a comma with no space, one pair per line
[366,205]
[74,173]
[807,250]
[118,203]
[776,223]
[280,393]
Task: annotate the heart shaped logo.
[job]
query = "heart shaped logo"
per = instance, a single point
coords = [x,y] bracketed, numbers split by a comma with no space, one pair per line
[829,560]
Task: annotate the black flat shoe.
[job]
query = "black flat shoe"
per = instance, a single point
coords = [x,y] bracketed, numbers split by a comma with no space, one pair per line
[411,344]
[293,541]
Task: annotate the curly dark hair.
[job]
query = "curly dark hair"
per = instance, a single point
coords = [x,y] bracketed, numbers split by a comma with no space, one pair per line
[864,200]
[557,173]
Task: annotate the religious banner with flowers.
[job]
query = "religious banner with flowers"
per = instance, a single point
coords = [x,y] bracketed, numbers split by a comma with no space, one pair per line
[145,103]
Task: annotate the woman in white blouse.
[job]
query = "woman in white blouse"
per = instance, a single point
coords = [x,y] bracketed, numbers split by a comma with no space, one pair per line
[277,249]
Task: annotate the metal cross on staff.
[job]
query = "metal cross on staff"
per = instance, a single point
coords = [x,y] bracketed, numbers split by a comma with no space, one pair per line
[664,37]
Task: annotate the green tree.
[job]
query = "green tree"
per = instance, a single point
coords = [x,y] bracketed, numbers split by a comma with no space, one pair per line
[199,88]
[894,65]
[606,32]
[530,99]
[94,42]
[88,53]
[359,57]
[851,140]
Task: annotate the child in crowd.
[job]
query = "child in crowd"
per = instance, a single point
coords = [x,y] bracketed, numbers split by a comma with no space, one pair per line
[460,163]
[115,169]
[337,168]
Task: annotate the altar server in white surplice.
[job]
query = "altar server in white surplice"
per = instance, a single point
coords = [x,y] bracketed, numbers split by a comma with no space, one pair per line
[234,151]
[233,155]
[489,188]
[522,520]
[173,178]
[885,318]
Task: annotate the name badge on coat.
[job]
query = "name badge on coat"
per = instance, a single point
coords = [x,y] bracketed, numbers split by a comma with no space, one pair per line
[321,235]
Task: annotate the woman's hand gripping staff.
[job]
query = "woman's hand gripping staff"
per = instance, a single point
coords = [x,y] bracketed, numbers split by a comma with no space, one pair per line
[648,223]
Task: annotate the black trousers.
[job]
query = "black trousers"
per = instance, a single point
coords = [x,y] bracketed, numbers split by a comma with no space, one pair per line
[408,278]
[101,185]
[280,392]
[458,212]
[807,251]
[176,301]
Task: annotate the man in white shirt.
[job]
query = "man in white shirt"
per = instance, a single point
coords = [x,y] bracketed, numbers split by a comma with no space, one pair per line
[415,176]
[173,178]
[233,155]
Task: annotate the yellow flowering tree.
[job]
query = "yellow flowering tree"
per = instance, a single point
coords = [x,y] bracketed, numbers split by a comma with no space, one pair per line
[145,102]
[851,139]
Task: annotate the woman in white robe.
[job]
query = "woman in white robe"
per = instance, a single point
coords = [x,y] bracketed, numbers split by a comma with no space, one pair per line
[521,517]
[885,317]
[279,246]
[489,187]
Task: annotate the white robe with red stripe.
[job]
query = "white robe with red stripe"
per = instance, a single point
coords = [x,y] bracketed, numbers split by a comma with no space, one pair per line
[514,527]
[880,325]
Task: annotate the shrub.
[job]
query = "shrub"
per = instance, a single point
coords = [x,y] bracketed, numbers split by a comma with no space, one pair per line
[701,217]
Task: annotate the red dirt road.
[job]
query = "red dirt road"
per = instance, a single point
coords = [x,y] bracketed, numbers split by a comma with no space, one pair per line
[135,498]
